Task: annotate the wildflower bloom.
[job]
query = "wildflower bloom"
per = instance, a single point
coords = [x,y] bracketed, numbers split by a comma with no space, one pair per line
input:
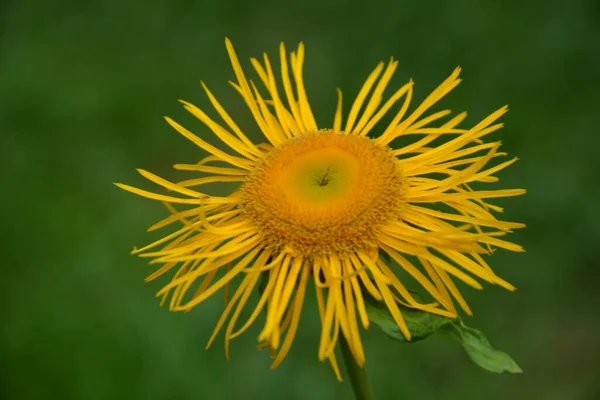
[325,204]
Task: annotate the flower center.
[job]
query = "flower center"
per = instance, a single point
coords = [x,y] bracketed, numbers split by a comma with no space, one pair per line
[323,193]
[320,176]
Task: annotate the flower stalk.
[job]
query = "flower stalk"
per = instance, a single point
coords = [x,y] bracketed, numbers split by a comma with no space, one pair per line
[358,375]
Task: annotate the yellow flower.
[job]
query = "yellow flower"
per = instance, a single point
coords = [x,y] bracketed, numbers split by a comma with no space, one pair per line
[324,204]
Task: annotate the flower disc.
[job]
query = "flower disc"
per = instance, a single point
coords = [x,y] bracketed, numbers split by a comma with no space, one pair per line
[323,193]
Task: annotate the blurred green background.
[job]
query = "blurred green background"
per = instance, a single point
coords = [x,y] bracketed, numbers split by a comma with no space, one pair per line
[83,88]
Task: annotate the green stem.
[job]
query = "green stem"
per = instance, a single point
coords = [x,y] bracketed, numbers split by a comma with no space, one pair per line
[358,376]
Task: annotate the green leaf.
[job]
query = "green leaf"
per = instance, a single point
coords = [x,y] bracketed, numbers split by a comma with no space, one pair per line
[420,324]
[480,350]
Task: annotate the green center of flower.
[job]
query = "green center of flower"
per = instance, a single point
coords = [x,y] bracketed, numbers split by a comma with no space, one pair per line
[321,181]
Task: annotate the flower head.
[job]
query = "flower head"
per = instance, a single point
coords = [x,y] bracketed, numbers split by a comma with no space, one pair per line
[331,206]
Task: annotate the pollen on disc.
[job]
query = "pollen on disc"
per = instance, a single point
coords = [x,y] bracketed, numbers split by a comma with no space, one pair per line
[323,193]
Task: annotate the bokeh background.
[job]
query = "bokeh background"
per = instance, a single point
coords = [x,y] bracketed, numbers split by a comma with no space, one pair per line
[83,88]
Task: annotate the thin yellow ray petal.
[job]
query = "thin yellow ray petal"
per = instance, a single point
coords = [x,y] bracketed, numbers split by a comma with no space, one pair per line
[227,287]
[238,226]
[360,98]
[297,311]
[229,121]
[226,137]
[479,221]
[354,338]
[483,204]
[405,293]
[210,179]
[169,185]
[365,279]
[178,283]
[195,246]
[262,73]
[262,258]
[305,111]
[450,83]
[224,250]
[414,237]
[377,96]
[425,254]
[484,194]
[199,242]
[210,169]
[335,367]
[446,168]
[441,264]
[502,244]
[161,271]
[422,225]
[337,119]
[448,150]
[321,308]
[401,245]
[433,131]
[272,307]
[228,158]
[453,289]
[418,145]
[477,212]
[193,242]
[433,117]
[414,272]
[317,271]
[327,324]
[179,291]
[480,175]
[393,308]
[457,154]
[460,176]
[223,280]
[290,284]
[373,268]
[290,126]
[270,265]
[320,301]
[160,241]
[415,147]
[171,199]
[385,137]
[283,327]
[333,340]
[296,126]
[238,293]
[266,295]
[192,212]
[337,293]
[360,303]
[471,266]
[244,89]
[211,159]
[404,90]
[439,285]
[287,86]
[274,132]
[292,123]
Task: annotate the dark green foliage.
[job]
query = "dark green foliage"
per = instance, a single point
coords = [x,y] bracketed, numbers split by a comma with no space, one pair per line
[422,324]
[83,88]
